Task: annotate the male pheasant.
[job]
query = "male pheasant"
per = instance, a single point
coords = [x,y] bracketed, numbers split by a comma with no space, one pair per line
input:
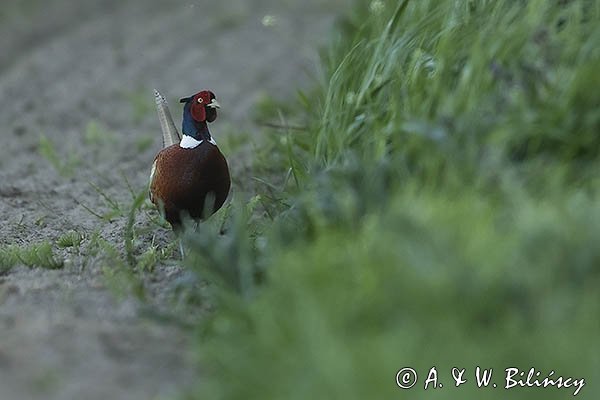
[190,176]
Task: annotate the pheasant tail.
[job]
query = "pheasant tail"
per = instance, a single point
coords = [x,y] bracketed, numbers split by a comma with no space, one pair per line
[169,131]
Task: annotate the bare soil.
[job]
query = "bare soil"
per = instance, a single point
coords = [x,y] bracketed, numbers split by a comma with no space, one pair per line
[81,74]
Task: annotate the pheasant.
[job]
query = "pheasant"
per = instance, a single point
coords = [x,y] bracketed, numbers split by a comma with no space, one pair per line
[189,176]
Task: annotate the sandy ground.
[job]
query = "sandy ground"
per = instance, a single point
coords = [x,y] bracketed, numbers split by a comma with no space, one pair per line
[81,73]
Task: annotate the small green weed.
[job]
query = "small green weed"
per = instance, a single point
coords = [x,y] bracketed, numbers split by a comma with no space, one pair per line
[65,165]
[120,278]
[129,234]
[97,134]
[70,239]
[33,255]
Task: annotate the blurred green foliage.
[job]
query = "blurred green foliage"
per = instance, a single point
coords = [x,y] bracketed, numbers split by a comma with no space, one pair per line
[440,210]
[65,165]
[32,255]
[70,239]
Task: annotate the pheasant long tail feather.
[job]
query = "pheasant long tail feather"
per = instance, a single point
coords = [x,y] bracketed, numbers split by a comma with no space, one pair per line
[169,131]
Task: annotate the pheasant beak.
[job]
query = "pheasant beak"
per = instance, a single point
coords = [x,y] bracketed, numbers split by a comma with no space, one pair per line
[185,99]
[213,104]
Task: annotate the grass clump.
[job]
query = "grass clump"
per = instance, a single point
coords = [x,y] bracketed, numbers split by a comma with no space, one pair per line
[34,255]
[70,239]
[441,209]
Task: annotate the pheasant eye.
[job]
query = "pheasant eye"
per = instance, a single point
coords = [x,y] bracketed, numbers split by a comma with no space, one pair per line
[200,100]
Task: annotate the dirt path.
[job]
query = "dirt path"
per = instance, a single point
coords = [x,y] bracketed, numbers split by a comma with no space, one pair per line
[81,74]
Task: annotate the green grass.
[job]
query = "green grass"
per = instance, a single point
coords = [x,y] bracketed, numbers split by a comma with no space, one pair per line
[441,209]
[96,135]
[65,165]
[33,255]
[70,239]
